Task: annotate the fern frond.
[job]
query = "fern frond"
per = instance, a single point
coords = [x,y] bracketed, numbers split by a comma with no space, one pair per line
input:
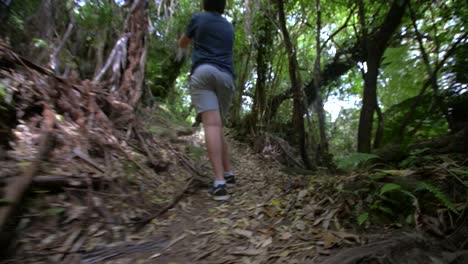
[444,199]
[354,159]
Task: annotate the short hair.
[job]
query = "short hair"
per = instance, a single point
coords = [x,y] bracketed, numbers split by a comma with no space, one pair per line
[214,5]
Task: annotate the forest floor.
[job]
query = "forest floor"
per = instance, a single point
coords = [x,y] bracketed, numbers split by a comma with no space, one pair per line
[273,216]
[252,227]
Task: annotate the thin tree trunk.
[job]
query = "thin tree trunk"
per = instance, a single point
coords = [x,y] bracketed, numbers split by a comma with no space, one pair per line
[296,83]
[235,111]
[323,153]
[45,15]
[100,52]
[263,53]
[376,46]
[54,56]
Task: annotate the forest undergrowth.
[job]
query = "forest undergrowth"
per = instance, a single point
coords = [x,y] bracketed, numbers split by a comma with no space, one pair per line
[274,215]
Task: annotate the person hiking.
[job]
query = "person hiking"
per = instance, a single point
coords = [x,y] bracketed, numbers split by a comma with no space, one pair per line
[212,85]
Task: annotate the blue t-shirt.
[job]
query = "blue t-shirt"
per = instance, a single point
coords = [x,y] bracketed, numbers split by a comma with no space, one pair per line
[213,41]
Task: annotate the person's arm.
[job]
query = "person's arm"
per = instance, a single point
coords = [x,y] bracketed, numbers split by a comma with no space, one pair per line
[184,41]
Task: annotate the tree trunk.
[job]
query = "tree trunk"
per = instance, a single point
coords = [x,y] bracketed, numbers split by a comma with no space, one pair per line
[369,104]
[380,128]
[263,54]
[375,48]
[44,17]
[100,48]
[298,94]
[133,76]
[323,154]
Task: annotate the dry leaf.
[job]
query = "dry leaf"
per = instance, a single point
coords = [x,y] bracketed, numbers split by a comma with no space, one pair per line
[329,239]
[155,256]
[74,213]
[285,236]
[245,233]
[266,242]
[248,252]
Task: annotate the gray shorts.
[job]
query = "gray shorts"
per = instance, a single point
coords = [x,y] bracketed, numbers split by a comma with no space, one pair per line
[211,89]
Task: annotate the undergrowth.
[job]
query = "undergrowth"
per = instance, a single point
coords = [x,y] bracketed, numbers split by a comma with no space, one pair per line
[401,196]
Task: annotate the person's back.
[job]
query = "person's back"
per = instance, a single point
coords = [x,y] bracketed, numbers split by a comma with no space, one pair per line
[213,40]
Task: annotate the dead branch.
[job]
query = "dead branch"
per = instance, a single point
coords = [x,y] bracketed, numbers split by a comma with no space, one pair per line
[166,208]
[53,57]
[116,59]
[78,153]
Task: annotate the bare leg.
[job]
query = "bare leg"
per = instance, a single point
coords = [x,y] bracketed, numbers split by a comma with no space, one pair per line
[214,141]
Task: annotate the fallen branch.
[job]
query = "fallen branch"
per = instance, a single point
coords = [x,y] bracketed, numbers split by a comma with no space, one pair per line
[78,153]
[198,175]
[166,208]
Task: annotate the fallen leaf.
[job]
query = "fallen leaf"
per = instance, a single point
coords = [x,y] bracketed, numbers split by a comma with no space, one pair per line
[329,239]
[248,252]
[155,256]
[285,236]
[300,225]
[302,194]
[245,233]
[266,242]
[74,213]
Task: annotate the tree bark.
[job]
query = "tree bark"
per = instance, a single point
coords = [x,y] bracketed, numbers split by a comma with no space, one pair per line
[376,46]
[132,85]
[380,128]
[324,157]
[263,54]
[296,83]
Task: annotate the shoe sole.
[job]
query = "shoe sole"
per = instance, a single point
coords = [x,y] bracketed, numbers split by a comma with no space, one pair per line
[230,185]
[221,197]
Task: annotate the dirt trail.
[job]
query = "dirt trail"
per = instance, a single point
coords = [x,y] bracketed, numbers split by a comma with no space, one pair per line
[246,229]
[272,217]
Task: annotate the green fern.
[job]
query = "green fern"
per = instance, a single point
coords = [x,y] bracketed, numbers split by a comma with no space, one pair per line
[423,186]
[461,172]
[354,159]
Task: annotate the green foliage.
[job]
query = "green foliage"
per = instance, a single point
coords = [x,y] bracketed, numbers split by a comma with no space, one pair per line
[402,73]
[363,218]
[463,173]
[397,203]
[55,211]
[427,121]
[388,187]
[353,160]
[39,43]
[441,197]
[416,158]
